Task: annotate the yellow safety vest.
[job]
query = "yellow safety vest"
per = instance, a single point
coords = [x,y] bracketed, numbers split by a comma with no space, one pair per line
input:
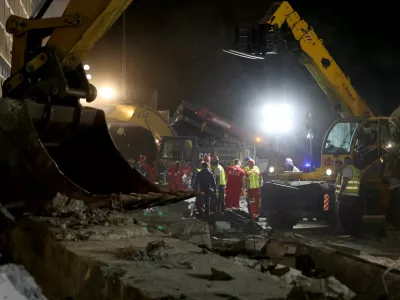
[338,184]
[353,186]
[222,177]
[254,177]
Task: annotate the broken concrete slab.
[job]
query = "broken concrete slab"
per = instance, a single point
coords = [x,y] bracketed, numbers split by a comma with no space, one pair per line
[366,278]
[17,284]
[95,269]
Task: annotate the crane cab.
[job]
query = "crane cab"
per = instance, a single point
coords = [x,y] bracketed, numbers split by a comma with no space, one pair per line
[367,141]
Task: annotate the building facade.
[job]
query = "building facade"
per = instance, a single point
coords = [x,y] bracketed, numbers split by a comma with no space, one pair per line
[22,8]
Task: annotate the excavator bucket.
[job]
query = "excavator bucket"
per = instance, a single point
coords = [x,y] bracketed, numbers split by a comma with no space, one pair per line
[48,150]
[285,205]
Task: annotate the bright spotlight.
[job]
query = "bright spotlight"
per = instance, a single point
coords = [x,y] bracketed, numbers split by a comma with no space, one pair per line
[271,169]
[278,118]
[86,67]
[390,145]
[88,76]
[107,92]
[328,172]
[258,139]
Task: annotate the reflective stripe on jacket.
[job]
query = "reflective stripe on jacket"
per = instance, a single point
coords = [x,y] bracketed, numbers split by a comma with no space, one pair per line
[353,186]
[338,184]
[254,177]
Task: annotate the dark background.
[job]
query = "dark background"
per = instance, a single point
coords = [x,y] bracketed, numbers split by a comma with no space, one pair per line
[176,47]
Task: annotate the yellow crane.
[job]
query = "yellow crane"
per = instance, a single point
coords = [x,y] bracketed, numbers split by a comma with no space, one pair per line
[358,134]
[49,142]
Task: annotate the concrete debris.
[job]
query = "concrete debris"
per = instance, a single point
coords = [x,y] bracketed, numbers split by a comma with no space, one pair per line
[274,248]
[154,266]
[155,250]
[220,275]
[17,284]
[383,261]
[328,288]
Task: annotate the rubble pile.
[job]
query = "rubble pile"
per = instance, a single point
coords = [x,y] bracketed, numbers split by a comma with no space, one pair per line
[114,253]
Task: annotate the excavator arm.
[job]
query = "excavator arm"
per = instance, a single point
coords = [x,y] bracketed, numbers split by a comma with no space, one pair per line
[263,40]
[49,142]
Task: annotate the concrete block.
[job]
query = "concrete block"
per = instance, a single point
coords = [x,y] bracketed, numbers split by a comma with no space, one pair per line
[193,231]
[87,269]
[17,284]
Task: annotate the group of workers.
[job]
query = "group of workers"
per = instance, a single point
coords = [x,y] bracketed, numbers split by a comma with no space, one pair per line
[221,188]
[349,209]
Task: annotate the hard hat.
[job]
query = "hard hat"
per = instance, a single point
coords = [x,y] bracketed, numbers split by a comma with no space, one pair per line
[288,161]
[214,158]
[247,158]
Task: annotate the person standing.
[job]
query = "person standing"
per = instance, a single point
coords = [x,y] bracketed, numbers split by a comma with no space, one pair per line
[171,177]
[350,211]
[253,191]
[205,183]
[234,185]
[220,178]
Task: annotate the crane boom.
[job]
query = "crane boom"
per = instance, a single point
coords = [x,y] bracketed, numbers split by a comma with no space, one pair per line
[313,55]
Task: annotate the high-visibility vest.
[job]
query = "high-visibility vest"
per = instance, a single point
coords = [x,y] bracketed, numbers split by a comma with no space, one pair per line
[353,186]
[338,184]
[222,177]
[254,177]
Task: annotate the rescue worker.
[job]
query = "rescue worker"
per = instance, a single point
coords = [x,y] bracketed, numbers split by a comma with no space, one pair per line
[253,191]
[289,166]
[171,177]
[338,168]
[205,183]
[350,211]
[246,161]
[178,176]
[207,159]
[199,199]
[220,178]
[234,186]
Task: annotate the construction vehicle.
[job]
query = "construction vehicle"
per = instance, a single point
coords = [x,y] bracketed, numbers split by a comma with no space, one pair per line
[49,142]
[358,133]
[214,135]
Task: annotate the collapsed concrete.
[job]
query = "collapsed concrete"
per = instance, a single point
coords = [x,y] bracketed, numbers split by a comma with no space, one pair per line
[145,265]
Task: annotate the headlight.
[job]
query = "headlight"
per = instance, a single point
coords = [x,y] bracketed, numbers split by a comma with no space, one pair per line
[271,169]
[328,172]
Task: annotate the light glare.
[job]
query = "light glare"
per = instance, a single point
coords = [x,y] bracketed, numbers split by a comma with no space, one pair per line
[329,172]
[107,92]
[86,67]
[88,76]
[278,118]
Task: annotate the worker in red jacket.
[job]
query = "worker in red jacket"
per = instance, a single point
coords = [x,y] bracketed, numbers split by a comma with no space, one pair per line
[171,177]
[234,185]
[178,176]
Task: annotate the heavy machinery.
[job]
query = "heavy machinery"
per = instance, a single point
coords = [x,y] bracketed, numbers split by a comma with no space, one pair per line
[358,134]
[213,135]
[49,143]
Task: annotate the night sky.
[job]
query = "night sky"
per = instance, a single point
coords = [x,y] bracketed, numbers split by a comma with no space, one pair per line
[176,47]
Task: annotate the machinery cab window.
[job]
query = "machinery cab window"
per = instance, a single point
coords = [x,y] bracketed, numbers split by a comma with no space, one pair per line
[366,147]
[176,149]
[340,137]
